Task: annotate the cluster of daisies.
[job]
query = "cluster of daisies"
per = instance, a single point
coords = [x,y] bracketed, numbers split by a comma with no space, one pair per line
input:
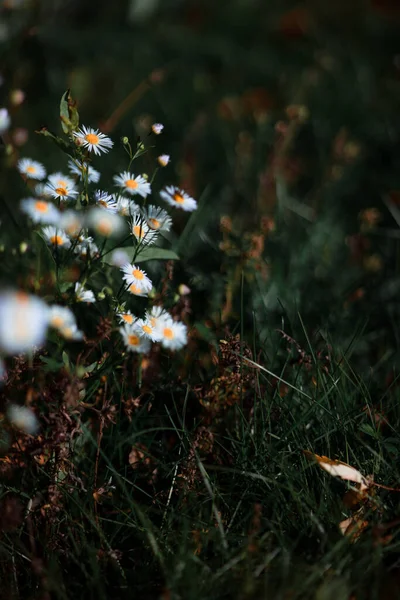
[70,218]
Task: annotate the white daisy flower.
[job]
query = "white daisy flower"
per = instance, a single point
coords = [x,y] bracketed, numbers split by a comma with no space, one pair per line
[157,316]
[40,211]
[135,276]
[71,332]
[56,237]
[60,186]
[147,330]
[23,418]
[5,120]
[105,222]
[84,172]
[83,295]
[133,185]
[133,341]
[32,169]
[105,200]
[157,218]
[93,140]
[61,317]
[163,160]
[86,247]
[126,317]
[126,207]
[178,198]
[71,222]
[119,257]
[23,322]
[173,334]
[142,232]
[157,128]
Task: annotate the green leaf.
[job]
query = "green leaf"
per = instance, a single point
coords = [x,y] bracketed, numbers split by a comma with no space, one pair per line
[52,365]
[146,254]
[68,113]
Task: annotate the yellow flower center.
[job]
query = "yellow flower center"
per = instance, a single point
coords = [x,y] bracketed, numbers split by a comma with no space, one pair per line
[57,240]
[134,289]
[62,191]
[147,329]
[168,333]
[104,227]
[41,206]
[133,340]
[92,138]
[57,322]
[138,231]
[67,332]
[154,223]
[137,274]
[132,184]
[31,169]
[127,318]
[178,198]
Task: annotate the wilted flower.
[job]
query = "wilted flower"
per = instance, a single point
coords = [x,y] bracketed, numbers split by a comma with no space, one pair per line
[163,160]
[133,185]
[32,169]
[133,341]
[23,418]
[105,222]
[23,322]
[83,295]
[60,186]
[56,237]
[84,171]
[178,198]
[157,128]
[93,140]
[40,211]
[157,218]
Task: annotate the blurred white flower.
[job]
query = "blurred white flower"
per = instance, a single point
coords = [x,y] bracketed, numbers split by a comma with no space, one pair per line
[173,334]
[86,247]
[61,317]
[147,330]
[40,211]
[5,120]
[71,222]
[83,295]
[126,317]
[23,418]
[71,332]
[93,140]
[178,198]
[126,207]
[157,316]
[133,341]
[23,322]
[56,237]
[119,257]
[133,185]
[84,171]
[60,186]
[32,169]
[105,222]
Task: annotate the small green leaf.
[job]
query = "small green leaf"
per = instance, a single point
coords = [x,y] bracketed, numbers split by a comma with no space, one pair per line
[64,112]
